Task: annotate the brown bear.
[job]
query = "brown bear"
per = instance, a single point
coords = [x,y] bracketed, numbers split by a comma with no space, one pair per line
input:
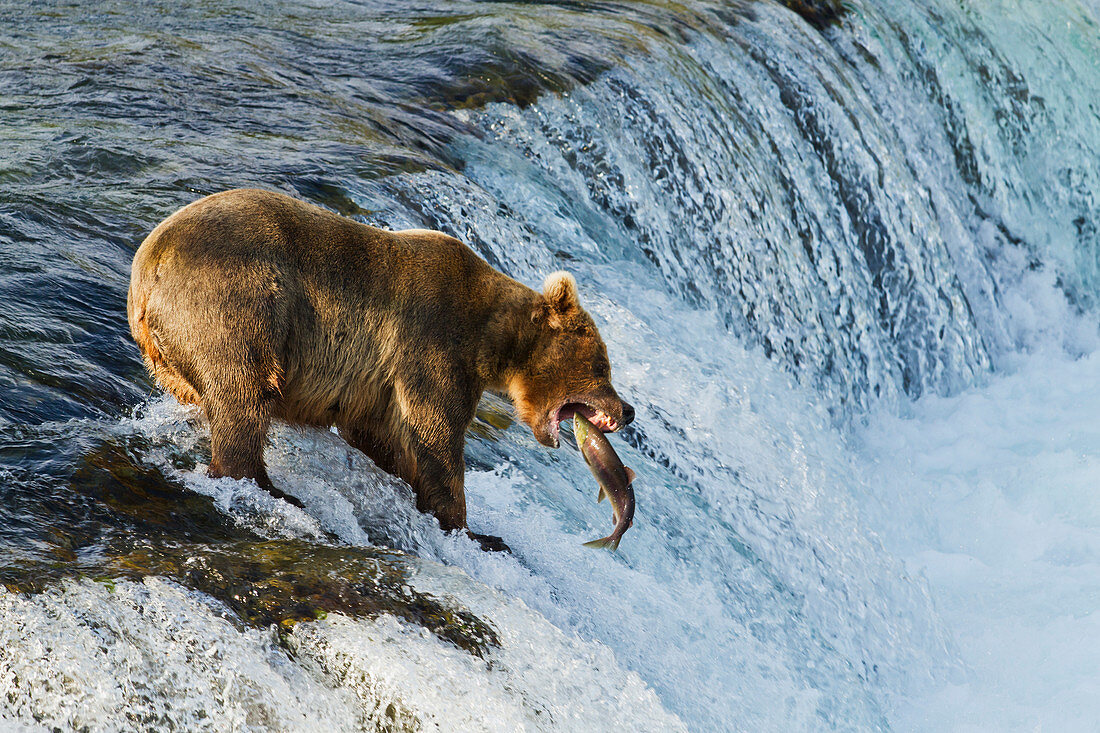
[256,305]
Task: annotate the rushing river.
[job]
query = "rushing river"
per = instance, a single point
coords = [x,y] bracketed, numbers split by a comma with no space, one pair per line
[848,272]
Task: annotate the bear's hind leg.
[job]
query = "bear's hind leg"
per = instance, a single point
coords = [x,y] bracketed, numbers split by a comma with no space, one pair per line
[223,326]
[239,420]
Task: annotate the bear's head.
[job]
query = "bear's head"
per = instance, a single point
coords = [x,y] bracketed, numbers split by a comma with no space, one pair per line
[566,369]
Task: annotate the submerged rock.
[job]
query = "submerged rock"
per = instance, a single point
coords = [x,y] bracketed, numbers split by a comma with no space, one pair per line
[818,13]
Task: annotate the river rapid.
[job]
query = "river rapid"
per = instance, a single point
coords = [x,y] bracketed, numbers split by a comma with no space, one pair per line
[847,266]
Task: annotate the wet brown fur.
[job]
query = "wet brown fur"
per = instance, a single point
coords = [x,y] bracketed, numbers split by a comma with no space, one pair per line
[255,305]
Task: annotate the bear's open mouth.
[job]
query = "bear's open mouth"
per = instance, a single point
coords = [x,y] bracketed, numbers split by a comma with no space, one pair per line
[600,419]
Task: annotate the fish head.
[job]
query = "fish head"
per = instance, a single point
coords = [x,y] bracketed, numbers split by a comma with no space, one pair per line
[567,371]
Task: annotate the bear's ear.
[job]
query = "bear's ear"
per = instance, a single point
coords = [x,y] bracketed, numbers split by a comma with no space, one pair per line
[560,290]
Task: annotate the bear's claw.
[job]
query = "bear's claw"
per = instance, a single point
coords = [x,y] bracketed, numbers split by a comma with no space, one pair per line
[489,543]
[292,500]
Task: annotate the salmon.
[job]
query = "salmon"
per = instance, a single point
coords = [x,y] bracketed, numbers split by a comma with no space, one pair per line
[614,478]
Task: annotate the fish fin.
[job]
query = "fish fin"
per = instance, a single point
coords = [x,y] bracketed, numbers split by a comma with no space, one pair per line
[602,496]
[630,475]
[603,542]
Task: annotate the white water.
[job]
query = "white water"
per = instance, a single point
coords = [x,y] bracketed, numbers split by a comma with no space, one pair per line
[864,442]
[992,497]
[153,656]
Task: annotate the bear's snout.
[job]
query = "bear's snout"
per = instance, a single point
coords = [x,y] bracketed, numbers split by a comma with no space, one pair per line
[628,413]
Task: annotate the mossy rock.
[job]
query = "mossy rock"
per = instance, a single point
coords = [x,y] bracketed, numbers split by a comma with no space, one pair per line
[144,523]
[284,582]
[493,416]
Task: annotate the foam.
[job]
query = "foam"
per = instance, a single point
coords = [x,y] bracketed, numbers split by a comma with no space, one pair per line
[991,495]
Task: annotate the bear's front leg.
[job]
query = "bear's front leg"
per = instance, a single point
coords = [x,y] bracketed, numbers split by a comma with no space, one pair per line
[435,467]
[438,483]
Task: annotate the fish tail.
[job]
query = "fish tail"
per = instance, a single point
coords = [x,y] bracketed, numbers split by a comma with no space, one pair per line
[603,542]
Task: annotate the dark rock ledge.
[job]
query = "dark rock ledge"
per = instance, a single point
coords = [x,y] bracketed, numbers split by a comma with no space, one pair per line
[152,526]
